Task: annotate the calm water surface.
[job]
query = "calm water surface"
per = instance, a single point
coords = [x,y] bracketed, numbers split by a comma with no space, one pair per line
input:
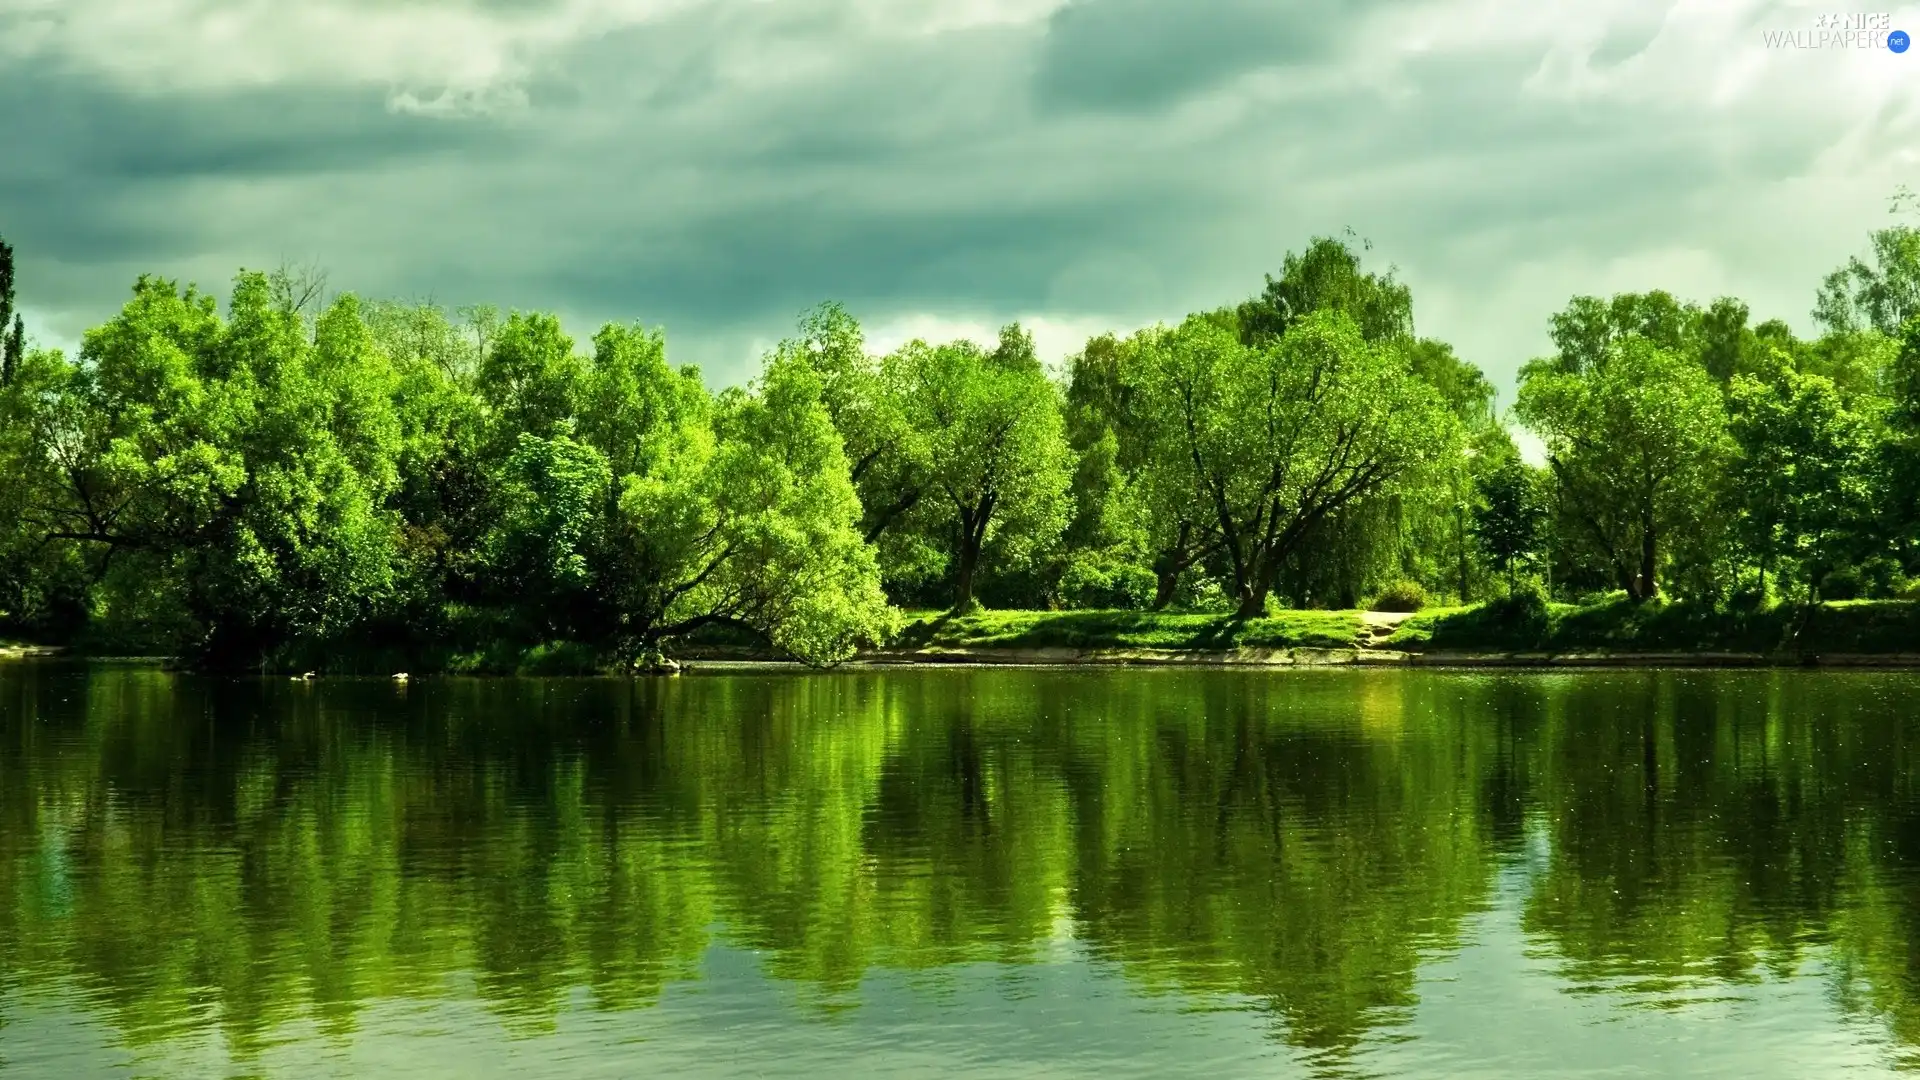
[961,873]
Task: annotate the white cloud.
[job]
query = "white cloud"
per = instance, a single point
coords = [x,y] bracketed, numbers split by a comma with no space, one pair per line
[167,45]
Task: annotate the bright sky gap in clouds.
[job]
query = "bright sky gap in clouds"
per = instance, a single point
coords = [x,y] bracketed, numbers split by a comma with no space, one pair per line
[943,166]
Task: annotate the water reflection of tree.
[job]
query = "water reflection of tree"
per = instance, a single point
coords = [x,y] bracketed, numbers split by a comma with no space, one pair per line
[238,855]
[1305,844]
[1707,831]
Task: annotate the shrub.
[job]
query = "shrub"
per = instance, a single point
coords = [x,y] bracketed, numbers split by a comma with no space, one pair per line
[1200,592]
[1525,606]
[1845,583]
[1402,595]
[1090,582]
[559,658]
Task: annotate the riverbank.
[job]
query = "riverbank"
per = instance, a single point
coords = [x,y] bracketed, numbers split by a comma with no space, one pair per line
[15,650]
[1882,633]
[1876,626]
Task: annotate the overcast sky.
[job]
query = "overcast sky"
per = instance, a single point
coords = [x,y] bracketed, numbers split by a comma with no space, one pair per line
[942,166]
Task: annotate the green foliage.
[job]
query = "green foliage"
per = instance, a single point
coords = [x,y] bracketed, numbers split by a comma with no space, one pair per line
[1525,622]
[1327,277]
[1092,582]
[549,491]
[1881,295]
[1509,518]
[1803,477]
[999,467]
[1635,437]
[13,332]
[737,511]
[303,475]
[1399,596]
[233,471]
[1519,620]
[264,487]
[866,399]
[1264,442]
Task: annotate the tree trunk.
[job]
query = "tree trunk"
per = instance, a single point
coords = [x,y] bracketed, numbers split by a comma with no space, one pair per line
[973,533]
[1460,533]
[1253,598]
[1165,583]
[1167,566]
[1649,585]
[969,558]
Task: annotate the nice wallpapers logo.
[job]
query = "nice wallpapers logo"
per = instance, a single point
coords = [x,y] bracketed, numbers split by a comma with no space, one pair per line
[1843,30]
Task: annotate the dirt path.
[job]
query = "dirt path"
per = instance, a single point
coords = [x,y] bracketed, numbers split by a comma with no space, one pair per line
[1380,626]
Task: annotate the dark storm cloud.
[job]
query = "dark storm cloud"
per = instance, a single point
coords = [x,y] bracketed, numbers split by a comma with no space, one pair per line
[1130,54]
[75,126]
[741,266]
[717,166]
[98,177]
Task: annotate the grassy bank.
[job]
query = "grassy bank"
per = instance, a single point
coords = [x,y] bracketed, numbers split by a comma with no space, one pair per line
[1868,627]
[1658,631]
[1852,626]
[1172,631]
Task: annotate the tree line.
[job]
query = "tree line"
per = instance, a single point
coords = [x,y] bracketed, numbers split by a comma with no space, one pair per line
[296,473]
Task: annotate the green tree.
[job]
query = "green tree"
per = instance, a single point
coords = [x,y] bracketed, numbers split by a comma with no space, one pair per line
[1803,472]
[887,456]
[1727,346]
[1112,559]
[1436,542]
[30,386]
[529,377]
[13,332]
[738,512]
[1858,363]
[1509,516]
[551,492]
[1327,277]
[1126,510]
[997,450]
[1588,328]
[1419,532]
[44,585]
[1634,441]
[444,492]
[1273,439]
[1881,295]
[231,472]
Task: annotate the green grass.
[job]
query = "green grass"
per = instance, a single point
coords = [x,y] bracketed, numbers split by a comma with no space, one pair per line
[1131,630]
[1853,626]
[1615,625]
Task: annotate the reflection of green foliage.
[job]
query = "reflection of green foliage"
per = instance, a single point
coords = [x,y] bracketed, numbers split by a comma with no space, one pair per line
[1335,847]
[191,856]
[1707,832]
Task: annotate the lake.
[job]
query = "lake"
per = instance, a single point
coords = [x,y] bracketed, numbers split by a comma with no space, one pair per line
[950,872]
